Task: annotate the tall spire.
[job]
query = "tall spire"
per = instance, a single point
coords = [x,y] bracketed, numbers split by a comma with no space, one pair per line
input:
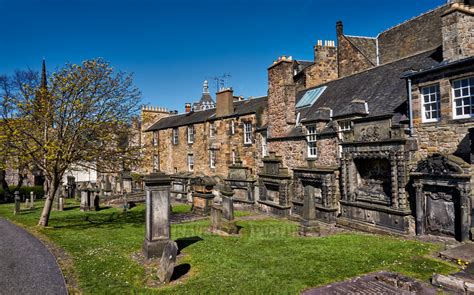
[43,76]
[205,87]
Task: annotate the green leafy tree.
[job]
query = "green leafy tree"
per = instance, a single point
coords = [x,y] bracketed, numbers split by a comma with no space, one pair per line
[79,117]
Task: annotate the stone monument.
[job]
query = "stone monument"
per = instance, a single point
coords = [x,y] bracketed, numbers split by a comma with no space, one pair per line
[157,232]
[309,226]
[168,261]
[16,210]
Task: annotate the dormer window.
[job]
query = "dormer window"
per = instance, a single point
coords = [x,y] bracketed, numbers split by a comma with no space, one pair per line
[311,141]
[344,126]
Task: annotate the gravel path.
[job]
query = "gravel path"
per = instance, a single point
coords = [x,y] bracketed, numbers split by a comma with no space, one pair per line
[26,266]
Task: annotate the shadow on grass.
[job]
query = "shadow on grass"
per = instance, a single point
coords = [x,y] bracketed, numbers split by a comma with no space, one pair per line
[185,242]
[101,219]
[71,207]
[180,271]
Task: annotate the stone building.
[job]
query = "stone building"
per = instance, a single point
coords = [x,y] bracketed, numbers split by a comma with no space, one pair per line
[378,130]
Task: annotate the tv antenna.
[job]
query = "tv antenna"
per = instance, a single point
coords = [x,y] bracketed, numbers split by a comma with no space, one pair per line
[221,81]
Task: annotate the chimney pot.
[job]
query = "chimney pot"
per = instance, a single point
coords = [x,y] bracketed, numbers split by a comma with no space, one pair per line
[187,107]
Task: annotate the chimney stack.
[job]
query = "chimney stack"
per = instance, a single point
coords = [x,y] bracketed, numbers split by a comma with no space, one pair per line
[187,107]
[224,102]
[457,25]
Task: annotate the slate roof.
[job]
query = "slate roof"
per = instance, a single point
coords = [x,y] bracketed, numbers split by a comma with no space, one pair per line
[381,87]
[366,45]
[241,108]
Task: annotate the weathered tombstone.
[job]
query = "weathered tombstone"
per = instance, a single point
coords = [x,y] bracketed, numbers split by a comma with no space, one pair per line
[157,233]
[202,195]
[61,203]
[85,201]
[309,226]
[17,203]
[216,217]
[168,261]
[227,203]
[27,203]
[32,199]
[126,182]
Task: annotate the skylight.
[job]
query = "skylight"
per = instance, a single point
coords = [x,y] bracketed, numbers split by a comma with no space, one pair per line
[310,97]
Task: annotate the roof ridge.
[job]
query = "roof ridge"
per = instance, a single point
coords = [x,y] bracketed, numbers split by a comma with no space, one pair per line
[413,18]
[353,36]
[370,69]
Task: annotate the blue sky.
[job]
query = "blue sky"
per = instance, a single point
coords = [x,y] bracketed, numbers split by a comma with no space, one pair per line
[172,46]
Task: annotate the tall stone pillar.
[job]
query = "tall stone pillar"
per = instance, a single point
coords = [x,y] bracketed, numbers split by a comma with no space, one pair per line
[16,210]
[420,217]
[465,211]
[157,233]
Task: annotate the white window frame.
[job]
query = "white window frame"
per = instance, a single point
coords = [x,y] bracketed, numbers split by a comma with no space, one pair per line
[175,135]
[232,127]
[345,126]
[311,141]
[212,158]
[212,129]
[264,145]
[190,162]
[233,157]
[191,134]
[154,140]
[465,92]
[427,106]
[248,133]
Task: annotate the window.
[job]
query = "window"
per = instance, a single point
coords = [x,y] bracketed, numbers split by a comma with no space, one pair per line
[264,145]
[247,133]
[344,126]
[190,163]
[430,105]
[156,163]
[311,139]
[233,157]
[212,129]
[463,94]
[175,135]
[190,134]
[154,141]
[212,158]
[310,97]
[232,127]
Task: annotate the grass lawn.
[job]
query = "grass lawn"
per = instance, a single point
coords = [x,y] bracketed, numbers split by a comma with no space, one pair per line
[269,257]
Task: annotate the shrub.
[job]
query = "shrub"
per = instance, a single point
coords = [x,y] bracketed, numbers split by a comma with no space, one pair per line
[25,190]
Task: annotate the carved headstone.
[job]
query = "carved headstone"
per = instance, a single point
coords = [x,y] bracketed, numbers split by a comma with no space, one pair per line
[32,199]
[157,232]
[168,261]
[16,210]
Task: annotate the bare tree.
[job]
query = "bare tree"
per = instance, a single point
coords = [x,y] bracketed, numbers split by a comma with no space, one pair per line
[79,117]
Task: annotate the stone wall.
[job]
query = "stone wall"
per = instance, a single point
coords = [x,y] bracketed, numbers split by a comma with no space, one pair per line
[448,135]
[458,36]
[350,59]
[149,116]
[281,98]
[413,36]
[324,68]
[173,157]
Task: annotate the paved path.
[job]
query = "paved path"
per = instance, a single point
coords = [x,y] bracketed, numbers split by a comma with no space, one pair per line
[26,266]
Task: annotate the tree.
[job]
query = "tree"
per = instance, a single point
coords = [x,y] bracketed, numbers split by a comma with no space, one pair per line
[80,117]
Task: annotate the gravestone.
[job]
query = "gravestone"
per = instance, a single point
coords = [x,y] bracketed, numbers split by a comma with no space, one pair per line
[216,217]
[61,203]
[27,203]
[227,203]
[308,225]
[157,232]
[32,199]
[202,195]
[168,261]
[71,186]
[85,201]
[17,203]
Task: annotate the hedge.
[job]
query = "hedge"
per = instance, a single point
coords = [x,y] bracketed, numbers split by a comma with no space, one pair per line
[25,190]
